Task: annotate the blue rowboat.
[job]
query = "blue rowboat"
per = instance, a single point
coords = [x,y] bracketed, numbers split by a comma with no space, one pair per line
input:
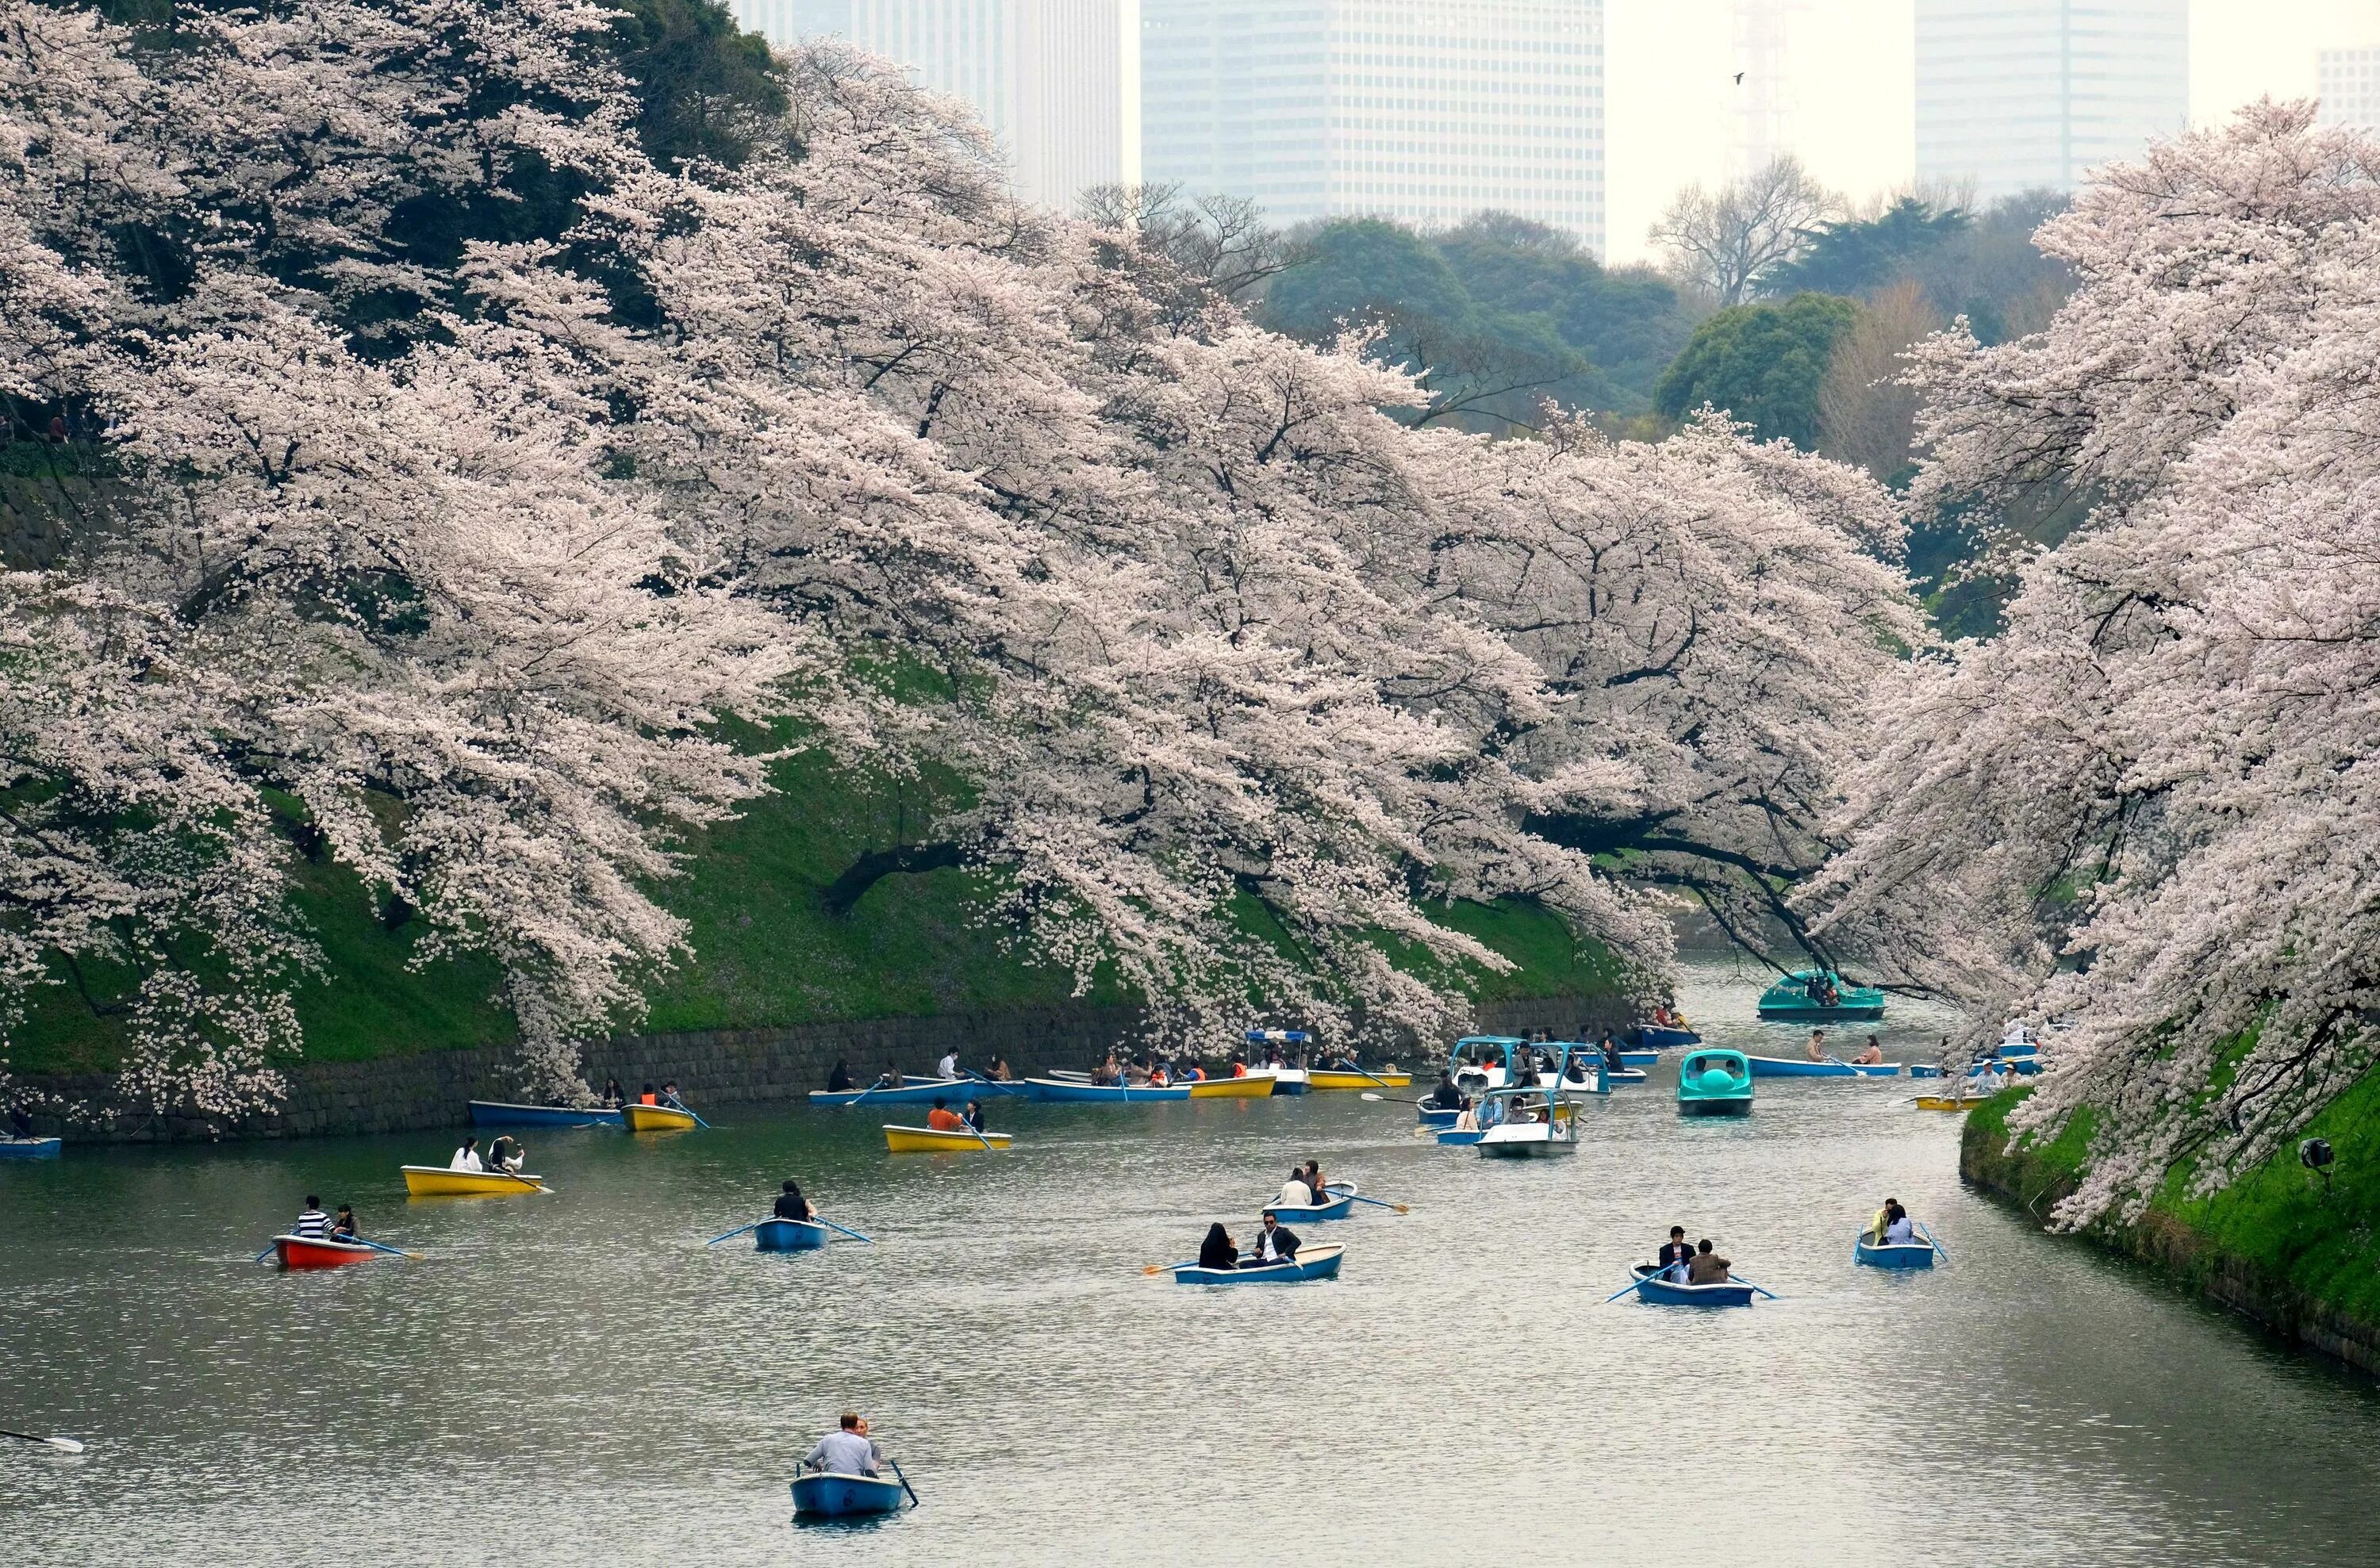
[787,1235]
[1338,1207]
[954,1091]
[498,1113]
[1787,1067]
[30,1148]
[1926,1069]
[1790,998]
[1433,1115]
[1907,1255]
[1714,1084]
[1639,1058]
[1659,1292]
[1066,1091]
[1458,1137]
[1311,1263]
[828,1495]
[1625,1075]
[1654,1037]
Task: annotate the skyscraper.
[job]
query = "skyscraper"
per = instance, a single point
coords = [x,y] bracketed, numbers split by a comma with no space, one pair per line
[1426,111]
[2028,94]
[1057,81]
[2349,84]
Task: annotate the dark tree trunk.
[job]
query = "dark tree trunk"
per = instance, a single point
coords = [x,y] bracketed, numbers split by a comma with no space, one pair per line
[843,893]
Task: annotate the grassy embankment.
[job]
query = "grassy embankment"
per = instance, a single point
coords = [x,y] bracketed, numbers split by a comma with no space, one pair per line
[766,953]
[2300,1254]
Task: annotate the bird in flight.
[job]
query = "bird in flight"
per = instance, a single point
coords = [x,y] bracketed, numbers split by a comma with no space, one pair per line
[1739,79]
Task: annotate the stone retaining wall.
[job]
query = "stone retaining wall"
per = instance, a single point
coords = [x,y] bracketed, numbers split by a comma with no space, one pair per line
[752,1067]
[2176,1250]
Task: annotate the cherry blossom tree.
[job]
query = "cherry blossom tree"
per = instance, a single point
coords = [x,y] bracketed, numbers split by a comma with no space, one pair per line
[2143,808]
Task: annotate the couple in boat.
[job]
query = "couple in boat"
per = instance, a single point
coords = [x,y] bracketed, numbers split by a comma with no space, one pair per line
[1870,1058]
[1892,1227]
[1685,1263]
[1276,1243]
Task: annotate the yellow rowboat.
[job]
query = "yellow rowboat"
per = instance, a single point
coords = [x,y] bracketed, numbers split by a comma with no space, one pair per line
[1388,1078]
[1936,1103]
[1255,1086]
[656,1118]
[926,1140]
[437,1181]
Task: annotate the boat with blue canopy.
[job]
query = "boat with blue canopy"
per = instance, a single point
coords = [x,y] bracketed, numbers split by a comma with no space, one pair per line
[1486,1061]
[1713,1082]
[499,1113]
[828,1494]
[1820,996]
[1311,1263]
[1288,1077]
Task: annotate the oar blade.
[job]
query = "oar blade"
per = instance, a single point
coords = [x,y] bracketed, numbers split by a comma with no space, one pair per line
[64,1445]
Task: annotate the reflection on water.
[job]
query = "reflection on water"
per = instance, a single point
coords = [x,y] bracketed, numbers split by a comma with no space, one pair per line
[575,1378]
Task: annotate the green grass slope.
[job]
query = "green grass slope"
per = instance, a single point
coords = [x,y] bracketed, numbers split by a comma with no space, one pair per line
[766,952]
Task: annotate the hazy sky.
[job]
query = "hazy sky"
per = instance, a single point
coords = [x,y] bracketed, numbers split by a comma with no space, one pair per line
[1669,65]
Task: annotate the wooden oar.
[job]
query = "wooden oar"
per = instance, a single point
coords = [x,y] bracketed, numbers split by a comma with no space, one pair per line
[905,1482]
[690,1110]
[64,1445]
[1930,1242]
[822,1220]
[392,1251]
[739,1230]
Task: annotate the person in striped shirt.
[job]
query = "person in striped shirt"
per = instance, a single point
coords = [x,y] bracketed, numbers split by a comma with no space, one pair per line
[314,1222]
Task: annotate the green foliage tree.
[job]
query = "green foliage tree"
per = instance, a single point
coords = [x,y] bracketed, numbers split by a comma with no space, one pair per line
[1764,363]
[1860,254]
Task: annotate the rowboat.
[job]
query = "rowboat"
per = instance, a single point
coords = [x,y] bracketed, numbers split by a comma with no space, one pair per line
[1068,1091]
[1288,1081]
[924,1092]
[1338,1207]
[1334,1077]
[657,1118]
[1249,1086]
[1657,1037]
[1625,1075]
[1436,1115]
[1790,998]
[1714,1084]
[321,1252]
[1926,1069]
[831,1495]
[932,1141]
[1790,1066]
[1311,1263]
[497,1113]
[31,1148]
[787,1235]
[1659,1291]
[437,1181]
[1906,1255]
[1942,1102]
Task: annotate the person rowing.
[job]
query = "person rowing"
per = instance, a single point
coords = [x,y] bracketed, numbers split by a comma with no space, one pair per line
[948,1067]
[506,1155]
[942,1118]
[1707,1266]
[467,1158]
[1676,1253]
[1313,1182]
[846,1451]
[792,1205]
[1817,1044]
[1219,1250]
[1446,1096]
[1275,1244]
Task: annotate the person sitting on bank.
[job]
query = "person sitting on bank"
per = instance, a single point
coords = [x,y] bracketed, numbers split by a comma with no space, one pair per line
[467,1158]
[343,1224]
[845,1452]
[1676,1253]
[1275,1244]
[942,1118]
[839,1081]
[1219,1250]
[312,1222]
[1446,1096]
[973,1115]
[1295,1193]
[1707,1267]
[792,1205]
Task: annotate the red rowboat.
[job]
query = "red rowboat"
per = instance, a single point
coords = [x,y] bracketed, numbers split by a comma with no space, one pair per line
[311,1252]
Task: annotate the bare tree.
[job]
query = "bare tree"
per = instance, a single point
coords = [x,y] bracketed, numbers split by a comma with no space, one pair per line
[1867,414]
[1723,241]
[1220,243]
